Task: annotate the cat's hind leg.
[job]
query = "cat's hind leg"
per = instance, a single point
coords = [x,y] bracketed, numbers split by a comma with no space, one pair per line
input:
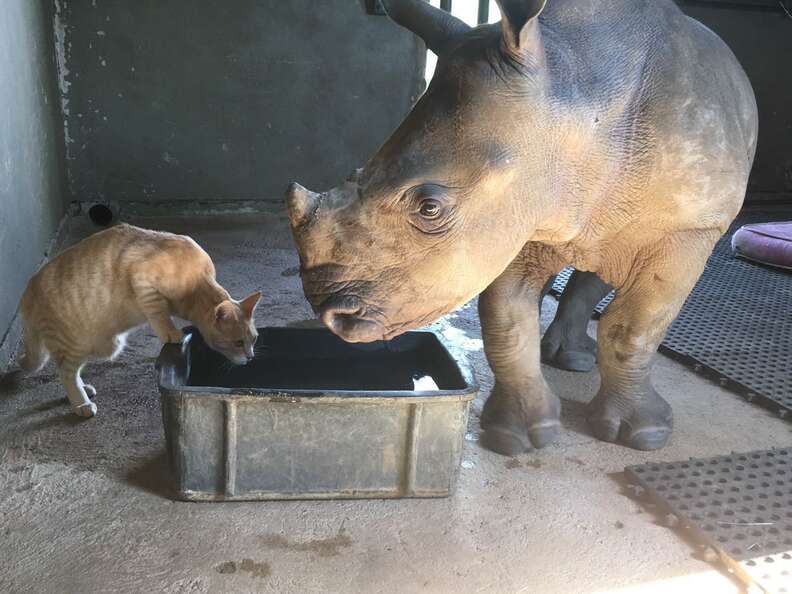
[108,351]
[35,354]
[69,367]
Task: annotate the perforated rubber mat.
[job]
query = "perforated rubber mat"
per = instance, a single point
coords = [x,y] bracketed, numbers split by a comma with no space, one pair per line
[560,283]
[739,507]
[736,325]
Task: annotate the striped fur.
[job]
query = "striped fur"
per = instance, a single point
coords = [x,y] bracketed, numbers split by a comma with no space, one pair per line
[81,305]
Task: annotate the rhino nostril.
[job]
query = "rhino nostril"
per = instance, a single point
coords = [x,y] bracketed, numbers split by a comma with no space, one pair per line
[349,318]
[335,309]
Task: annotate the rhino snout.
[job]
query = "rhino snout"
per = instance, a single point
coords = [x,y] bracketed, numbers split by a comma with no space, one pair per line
[345,316]
[301,203]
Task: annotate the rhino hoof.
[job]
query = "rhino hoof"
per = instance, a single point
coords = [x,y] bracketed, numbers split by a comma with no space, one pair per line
[508,442]
[505,442]
[562,352]
[510,429]
[543,434]
[648,438]
[646,425]
[578,361]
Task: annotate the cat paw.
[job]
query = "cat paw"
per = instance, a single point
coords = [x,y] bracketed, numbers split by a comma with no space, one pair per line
[90,390]
[173,336]
[86,410]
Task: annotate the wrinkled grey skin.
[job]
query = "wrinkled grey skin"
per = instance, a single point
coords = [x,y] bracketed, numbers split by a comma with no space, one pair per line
[565,344]
[612,135]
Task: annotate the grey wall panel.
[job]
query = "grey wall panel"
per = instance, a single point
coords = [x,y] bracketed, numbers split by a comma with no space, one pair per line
[199,99]
[30,136]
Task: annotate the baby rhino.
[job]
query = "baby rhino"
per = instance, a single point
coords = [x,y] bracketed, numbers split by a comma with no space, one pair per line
[83,303]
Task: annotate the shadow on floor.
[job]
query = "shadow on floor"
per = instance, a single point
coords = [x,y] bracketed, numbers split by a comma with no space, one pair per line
[153,476]
[16,382]
[67,419]
[573,417]
[9,382]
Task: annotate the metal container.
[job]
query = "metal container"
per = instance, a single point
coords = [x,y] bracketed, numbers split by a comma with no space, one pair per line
[313,417]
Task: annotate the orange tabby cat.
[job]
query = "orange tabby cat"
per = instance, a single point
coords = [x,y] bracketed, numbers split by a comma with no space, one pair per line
[81,305]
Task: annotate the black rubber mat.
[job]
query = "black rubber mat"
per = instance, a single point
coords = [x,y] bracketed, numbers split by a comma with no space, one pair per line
[739,507]
[560,283]
[736,326]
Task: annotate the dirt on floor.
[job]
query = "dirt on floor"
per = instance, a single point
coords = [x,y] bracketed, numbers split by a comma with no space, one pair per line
[85,505]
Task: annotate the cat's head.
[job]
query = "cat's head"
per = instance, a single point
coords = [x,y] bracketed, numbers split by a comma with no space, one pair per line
[231,330]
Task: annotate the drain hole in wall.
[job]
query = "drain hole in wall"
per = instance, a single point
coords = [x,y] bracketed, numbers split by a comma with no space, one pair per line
[100,215]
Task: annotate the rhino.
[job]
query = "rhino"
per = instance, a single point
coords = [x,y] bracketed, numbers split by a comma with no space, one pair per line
[615,136]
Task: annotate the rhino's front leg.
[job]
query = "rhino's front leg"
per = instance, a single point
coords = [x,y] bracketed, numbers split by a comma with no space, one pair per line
[627,408]
[521,412]
[566,344]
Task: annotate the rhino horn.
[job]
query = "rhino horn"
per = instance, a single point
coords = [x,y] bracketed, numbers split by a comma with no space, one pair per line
[301,203]
[435,26]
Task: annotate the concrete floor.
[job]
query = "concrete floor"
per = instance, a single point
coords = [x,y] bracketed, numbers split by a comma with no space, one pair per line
[84,504]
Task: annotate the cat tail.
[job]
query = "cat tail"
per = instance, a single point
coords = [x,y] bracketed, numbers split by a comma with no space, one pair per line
[35,354]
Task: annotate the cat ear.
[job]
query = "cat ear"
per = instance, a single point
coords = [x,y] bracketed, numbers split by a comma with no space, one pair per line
[224,311]
[249,303]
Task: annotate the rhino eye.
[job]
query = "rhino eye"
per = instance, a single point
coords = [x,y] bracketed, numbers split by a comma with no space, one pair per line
[430,209]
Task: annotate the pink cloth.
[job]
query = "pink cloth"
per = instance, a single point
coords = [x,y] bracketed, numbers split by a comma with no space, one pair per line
[767,243]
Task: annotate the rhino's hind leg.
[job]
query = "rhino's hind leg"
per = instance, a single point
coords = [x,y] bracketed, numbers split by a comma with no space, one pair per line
[627,408]
[522,412]
[566,344]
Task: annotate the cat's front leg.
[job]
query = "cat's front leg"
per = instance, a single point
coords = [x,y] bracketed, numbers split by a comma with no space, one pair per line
[157,311]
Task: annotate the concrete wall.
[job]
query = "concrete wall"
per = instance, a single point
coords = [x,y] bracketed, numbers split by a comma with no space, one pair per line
[30,182]
[207,100]
[760,34]
[200,99]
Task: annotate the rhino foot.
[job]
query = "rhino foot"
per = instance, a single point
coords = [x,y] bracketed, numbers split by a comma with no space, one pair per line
[510,431]
[642,424]
[563,350]
[566,345]
[503,440]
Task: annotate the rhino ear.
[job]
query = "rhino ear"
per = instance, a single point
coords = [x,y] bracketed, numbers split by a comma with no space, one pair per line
[435,26]
[520,24]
